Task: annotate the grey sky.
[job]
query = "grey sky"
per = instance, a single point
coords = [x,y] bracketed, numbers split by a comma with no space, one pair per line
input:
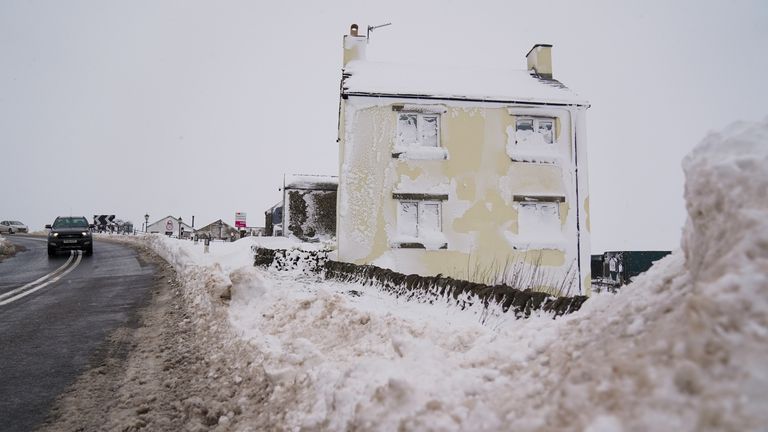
[198,107]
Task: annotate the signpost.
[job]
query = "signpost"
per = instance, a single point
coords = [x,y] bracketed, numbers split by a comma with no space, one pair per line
[101,222]
[239,220]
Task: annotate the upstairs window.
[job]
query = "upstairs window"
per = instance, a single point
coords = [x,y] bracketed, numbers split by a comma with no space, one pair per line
[535,130]
[418,130]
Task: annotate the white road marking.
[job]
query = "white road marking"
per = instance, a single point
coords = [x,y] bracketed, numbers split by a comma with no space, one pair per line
[41,280]
[39,287]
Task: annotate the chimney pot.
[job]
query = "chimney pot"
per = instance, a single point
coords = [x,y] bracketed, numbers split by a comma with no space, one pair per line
[353,30]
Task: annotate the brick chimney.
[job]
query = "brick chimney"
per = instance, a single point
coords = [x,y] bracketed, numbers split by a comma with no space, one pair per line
[540,60]
[354,45]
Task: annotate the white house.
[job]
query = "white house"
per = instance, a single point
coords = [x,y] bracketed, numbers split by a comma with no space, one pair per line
[468,172]
[169,226]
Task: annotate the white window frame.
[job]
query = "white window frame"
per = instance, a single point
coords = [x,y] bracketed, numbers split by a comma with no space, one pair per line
[419,130]
[536,120]
[419,203]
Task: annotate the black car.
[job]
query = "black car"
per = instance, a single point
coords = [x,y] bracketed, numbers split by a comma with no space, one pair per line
[70,232]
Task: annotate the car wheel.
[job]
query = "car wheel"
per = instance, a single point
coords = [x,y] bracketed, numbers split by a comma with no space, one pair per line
[51,251]
[89,251]
[10,230]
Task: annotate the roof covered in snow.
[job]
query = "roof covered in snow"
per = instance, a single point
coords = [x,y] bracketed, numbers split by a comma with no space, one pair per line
[311,182]
[468,83]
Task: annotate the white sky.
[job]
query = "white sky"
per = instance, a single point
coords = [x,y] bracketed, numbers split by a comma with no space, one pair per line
[199,107]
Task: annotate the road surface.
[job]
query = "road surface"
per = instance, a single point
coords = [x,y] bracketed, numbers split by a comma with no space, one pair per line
[55,314]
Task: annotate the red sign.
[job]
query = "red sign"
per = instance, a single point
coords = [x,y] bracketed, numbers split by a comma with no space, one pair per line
[239,220]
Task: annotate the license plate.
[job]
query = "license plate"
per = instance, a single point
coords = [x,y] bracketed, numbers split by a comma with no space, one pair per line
[70,241]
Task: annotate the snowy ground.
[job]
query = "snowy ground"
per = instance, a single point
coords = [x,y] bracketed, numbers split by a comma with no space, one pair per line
[684,347]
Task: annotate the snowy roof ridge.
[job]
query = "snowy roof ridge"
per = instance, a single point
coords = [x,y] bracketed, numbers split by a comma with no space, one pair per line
[311,181]
[507,85]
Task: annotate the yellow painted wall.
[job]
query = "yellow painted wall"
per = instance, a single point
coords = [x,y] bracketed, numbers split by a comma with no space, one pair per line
[479,212]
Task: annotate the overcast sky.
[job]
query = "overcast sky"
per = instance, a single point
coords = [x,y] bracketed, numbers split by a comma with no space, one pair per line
[199,107]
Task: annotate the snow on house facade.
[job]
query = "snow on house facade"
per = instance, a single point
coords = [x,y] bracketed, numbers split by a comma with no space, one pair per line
[462,171]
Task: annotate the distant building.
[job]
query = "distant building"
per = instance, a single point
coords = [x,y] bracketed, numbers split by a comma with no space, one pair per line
[219,230]
[441,167]
[256,231]
[619,267]
[308,209]
[169,226]
[273,220]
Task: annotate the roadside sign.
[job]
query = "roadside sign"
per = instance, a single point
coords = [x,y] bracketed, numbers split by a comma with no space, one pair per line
[240,220]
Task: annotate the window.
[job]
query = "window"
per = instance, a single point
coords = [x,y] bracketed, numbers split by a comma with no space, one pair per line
[419,225]
[419,218]
[539,218]
[535,130]
[418,130]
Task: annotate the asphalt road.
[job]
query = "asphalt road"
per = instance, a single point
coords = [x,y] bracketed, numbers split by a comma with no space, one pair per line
[54,315]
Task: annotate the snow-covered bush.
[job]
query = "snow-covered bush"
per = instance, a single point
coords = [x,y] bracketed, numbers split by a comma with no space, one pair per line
[6,248]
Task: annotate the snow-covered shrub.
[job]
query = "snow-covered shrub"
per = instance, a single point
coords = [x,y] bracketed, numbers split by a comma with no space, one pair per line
[6,248]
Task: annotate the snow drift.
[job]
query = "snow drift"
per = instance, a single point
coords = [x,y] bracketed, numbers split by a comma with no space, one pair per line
[683,348]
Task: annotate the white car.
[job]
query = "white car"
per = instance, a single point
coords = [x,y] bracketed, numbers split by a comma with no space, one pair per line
[12,227]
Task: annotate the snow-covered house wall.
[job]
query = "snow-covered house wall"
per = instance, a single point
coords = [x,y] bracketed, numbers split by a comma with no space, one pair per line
[169,225]
[462,172]
[309,203]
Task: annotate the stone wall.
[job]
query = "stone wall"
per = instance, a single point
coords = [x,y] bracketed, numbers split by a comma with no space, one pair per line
[521,302]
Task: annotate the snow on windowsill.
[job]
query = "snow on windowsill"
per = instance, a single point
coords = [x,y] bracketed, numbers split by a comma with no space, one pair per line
[534,153]
[418,152]
[433,241]
[536,242]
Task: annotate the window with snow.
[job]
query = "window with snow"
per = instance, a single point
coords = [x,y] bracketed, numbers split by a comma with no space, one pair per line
[418,130]
[419,225]
[539,219]
[535,130]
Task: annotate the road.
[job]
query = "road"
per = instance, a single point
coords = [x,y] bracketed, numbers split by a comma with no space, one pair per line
[55,314]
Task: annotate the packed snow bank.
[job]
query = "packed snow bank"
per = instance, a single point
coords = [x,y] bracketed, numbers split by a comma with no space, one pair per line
[682,348]
[6,248]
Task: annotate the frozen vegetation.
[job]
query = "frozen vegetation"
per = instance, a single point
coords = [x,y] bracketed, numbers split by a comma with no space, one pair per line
[683,348]
[6,248]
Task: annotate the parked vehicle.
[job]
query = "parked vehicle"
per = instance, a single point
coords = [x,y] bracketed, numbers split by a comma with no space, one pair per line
[68,233]
[13,227]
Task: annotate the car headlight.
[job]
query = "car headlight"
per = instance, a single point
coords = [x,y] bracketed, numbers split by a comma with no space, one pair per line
[54,234]
[85,234]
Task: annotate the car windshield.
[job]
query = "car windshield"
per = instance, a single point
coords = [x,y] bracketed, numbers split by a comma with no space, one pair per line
[70,222]
[17,223]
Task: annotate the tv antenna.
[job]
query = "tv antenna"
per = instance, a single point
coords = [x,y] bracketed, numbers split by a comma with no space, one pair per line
[372,28]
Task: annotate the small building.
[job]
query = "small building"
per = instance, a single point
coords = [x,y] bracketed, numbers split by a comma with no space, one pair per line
[463,171]
[626,264]
[309,206]
[169,226]
[256,231]
[218,230]
[273,220]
